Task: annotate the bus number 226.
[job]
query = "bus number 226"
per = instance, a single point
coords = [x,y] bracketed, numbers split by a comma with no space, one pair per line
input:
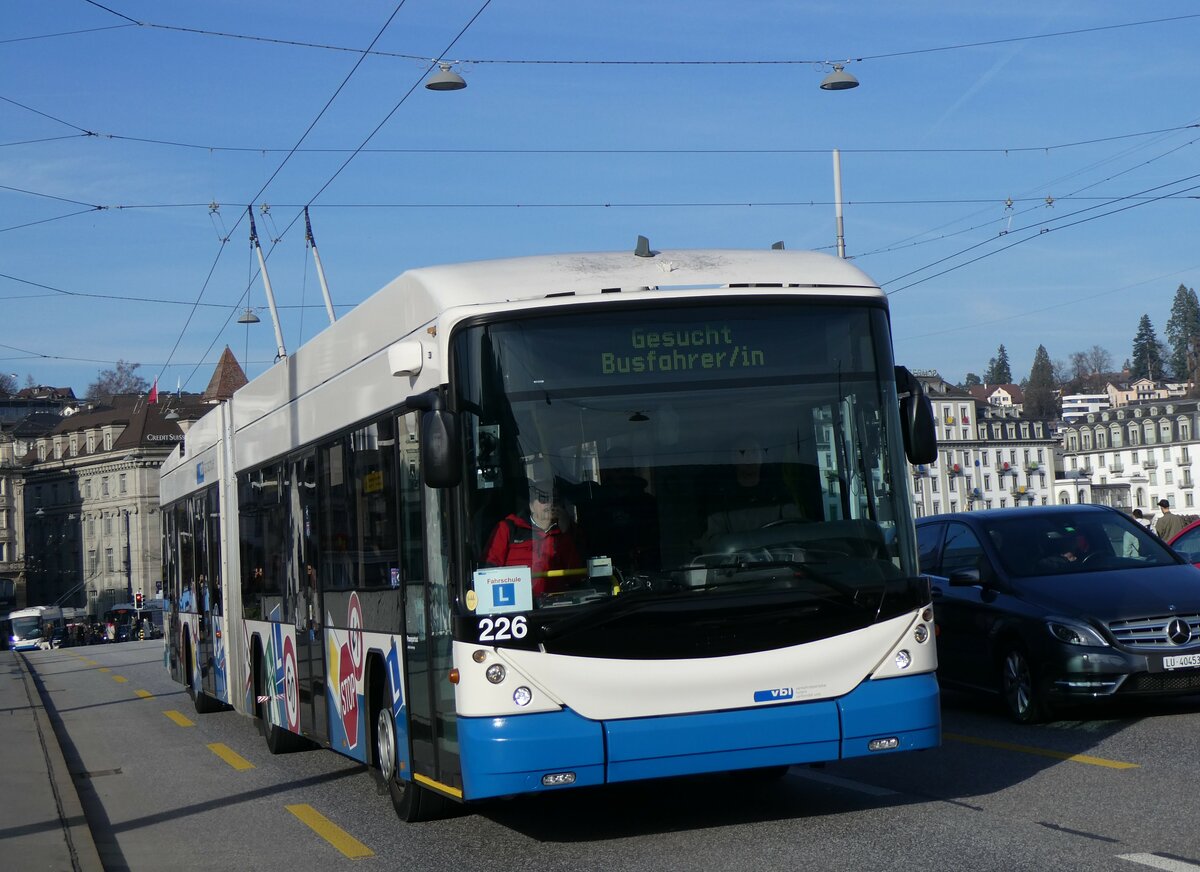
[495,630]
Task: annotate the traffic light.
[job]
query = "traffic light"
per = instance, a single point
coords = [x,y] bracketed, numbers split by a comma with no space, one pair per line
[137,600]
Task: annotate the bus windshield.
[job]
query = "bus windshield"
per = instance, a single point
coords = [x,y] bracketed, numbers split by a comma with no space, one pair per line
[634,477]
[26,628]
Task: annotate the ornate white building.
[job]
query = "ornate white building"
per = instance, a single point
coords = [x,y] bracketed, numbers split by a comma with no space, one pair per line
[988,456]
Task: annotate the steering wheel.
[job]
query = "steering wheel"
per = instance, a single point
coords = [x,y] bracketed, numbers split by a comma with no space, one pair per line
[1090,558]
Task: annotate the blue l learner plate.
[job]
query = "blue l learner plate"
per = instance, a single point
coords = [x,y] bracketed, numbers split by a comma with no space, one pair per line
[1182,661]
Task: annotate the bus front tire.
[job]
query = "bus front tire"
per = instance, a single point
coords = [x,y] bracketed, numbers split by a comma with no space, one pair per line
[411,801]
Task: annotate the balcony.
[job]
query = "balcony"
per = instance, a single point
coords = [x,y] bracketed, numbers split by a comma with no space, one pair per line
[1150,463]
[1187,483]
[1183,460]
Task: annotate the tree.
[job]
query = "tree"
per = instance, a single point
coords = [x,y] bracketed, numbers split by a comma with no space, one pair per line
[122,379]
[998,371]
[1147,357]
[1039,389]
[8,384]
[1183,332]
[1099,359]
[971,380]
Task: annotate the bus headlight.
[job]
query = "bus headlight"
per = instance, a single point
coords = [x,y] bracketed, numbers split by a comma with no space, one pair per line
[921,633]
[522,696]
[903,659]
[495,673]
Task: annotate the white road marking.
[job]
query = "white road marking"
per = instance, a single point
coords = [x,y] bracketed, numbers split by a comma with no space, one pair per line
[1156,862]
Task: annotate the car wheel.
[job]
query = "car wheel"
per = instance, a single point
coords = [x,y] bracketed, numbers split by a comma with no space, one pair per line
[1019,687]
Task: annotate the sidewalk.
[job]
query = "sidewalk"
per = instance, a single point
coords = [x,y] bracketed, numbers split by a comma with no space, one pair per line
[41,820]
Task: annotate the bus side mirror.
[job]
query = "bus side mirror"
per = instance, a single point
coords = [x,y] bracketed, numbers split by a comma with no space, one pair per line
[441,445]
[916,418]
[440,451]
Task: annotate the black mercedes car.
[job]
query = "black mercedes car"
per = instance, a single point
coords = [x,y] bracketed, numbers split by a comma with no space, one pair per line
[1047,605]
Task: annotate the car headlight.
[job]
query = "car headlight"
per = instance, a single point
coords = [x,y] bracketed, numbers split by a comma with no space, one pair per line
[1075,633]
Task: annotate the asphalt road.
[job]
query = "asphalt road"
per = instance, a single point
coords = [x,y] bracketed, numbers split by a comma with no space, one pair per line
[165,788]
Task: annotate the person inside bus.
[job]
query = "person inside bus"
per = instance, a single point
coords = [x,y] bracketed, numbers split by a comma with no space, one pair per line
[538,538]
[755,498]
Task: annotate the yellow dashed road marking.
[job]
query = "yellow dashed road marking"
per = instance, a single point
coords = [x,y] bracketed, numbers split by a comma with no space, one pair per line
[120,678]
[1041,752]
[178,718]
[144,694]
[331,832]
[105,669]
[230,756]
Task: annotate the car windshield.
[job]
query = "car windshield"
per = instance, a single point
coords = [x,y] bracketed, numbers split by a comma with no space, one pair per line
[1047,544]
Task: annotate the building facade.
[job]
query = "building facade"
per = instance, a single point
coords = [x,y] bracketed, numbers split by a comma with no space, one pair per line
[1135,455]
[988,455]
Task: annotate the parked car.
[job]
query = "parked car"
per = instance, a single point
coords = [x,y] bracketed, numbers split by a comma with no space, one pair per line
[1187,542]
[1048,605]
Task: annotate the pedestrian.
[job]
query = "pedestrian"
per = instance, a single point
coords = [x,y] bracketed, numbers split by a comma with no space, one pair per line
[1168,525]
[1141,519]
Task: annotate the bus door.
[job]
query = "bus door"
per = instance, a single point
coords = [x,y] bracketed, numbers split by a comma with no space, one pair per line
[310,626]
[424,544]
[201,507]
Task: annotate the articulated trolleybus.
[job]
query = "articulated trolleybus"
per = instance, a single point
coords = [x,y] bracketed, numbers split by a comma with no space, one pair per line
[521,525]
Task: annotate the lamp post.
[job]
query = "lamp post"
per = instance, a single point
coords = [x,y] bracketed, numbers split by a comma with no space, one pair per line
[128,560]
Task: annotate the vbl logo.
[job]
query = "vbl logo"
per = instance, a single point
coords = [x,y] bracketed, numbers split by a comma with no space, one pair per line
[773,695]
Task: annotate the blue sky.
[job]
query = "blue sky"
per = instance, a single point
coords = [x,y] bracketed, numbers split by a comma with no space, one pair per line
[960,109]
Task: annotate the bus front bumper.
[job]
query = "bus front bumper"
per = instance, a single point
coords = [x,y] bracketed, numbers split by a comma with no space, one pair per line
[503,756]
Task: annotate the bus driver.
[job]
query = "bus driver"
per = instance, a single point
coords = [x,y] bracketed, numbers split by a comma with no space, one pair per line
[536,539]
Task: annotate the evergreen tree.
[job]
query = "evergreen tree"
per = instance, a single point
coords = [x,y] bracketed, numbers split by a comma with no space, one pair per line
[1147,357]
[1040,401]
[998,371]
[971,380]
[1183,332]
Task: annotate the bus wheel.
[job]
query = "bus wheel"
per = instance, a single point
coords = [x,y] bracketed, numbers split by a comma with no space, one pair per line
[412,802]
[279,740]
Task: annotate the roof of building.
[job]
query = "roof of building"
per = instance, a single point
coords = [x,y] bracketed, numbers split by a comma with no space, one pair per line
[226,378]
[985,392]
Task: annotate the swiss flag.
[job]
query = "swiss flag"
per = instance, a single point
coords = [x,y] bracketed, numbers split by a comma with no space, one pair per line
[153,398]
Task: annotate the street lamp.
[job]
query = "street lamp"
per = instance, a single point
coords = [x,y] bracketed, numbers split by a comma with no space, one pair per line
[128,559]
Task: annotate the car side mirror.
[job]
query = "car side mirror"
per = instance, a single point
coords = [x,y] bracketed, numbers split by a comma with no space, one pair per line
[965,578]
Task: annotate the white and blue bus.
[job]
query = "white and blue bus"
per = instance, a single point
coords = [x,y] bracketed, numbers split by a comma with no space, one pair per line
[31,629]
[725,440]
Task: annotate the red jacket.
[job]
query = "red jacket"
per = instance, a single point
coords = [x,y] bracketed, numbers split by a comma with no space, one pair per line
[516,542]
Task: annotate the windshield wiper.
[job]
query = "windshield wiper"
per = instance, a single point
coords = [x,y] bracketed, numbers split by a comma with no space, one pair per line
[624,604]
[801,572]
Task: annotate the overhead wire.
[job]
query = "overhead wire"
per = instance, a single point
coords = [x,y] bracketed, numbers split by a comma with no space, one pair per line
[658,62]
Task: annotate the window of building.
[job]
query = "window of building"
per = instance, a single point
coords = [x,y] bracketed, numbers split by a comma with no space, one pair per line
[1188,499]
[107,440]
[121,488]
[987,482]
[109,560]
[104,486]
[91,443]
[1168,476]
